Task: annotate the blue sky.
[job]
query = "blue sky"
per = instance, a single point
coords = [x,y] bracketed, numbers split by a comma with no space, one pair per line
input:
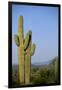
[43,22]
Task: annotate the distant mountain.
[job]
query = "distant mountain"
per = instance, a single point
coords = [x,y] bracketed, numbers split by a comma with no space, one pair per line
[47,63]
[54,60]
[41,63]
[44,64]
[54,64]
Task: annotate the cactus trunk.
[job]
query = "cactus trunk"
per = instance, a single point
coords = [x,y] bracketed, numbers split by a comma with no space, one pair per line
[28,64]
[21,50]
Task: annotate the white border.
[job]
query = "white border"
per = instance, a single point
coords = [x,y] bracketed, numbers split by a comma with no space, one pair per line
[4,43]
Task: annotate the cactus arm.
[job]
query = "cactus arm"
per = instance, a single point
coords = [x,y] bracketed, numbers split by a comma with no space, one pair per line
[16,38]
[33,49]
[27,40]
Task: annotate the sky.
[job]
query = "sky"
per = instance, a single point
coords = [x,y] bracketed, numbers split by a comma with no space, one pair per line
[43,22]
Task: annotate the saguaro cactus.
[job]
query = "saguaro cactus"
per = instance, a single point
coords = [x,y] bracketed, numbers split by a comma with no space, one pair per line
[25,51]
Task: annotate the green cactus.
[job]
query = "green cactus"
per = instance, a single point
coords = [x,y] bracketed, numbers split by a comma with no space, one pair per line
[25,51]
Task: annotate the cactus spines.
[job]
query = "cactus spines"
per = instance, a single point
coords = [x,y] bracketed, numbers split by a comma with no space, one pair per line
[25,51]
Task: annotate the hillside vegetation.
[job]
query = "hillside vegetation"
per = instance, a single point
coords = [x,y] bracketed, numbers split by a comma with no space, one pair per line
[46,74]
